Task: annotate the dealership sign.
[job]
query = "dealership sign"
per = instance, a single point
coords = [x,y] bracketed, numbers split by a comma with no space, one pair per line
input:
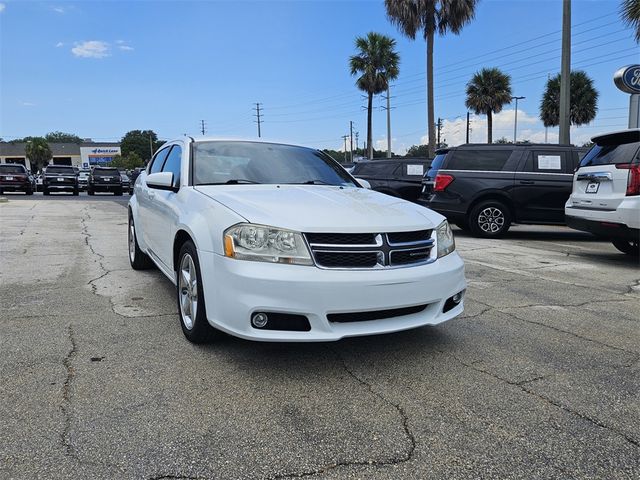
[627,79]
[98,155]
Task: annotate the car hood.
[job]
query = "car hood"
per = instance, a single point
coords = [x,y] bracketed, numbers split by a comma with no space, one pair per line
[321,208]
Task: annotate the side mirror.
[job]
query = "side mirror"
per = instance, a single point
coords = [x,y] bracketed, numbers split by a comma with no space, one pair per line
[364,183]
[161,181]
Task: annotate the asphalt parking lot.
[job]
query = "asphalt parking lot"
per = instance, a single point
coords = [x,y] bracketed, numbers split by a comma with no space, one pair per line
[540,377]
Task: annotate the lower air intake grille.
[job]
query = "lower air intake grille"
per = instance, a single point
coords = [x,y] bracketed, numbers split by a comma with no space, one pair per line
[375,315]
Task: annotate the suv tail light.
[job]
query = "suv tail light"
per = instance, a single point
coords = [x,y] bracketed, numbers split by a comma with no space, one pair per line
[442,182]
[633,180]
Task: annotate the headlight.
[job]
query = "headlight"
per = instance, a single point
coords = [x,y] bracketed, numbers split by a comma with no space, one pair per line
[446,243]
[265,244]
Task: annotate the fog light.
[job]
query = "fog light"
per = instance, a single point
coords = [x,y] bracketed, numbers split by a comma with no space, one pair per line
[259,320]
[457,297]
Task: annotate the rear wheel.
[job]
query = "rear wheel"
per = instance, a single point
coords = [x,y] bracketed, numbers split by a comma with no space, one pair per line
[76,192]
[137,258]
[45,191]
[489,219]
[118,193]
[29,191]
[630,247]
[193,315]
[90,191]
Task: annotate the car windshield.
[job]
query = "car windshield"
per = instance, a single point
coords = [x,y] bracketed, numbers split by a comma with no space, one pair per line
[217,163]
[105,171]
[65,170]
[11,169]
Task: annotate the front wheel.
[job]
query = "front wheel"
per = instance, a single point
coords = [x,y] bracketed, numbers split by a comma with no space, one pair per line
[45,191]
[137,258]
[490,219]
[90,192]
[76,192]
[630,247]
[193,315]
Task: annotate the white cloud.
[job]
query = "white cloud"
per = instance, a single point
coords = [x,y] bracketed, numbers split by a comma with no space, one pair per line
[125,48]
[59,44]
[2,7]
[91,49]
[28,104]
[59,10]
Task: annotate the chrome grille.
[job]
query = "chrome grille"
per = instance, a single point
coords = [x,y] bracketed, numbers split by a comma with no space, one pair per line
[371,250]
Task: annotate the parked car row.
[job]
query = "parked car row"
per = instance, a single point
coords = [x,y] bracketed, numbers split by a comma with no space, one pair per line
[65,178]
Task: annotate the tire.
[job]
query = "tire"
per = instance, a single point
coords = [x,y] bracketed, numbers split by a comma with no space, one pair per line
[196,328]
[462,225]
[90,192]
[118,193]
[29,191]
[76,192]
[45,191]
[137,258]
[489,219]
[630,247]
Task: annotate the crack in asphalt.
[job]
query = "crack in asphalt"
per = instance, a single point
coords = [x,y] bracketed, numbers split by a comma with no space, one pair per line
[522,385]
[66,394]
[362,463]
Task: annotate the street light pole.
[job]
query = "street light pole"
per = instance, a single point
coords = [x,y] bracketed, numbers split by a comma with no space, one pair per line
[515,123]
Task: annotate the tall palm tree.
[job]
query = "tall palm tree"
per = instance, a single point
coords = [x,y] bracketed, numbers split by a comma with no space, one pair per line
[377,63]
[630,13]
[487,92]
[583,101]
[429,17]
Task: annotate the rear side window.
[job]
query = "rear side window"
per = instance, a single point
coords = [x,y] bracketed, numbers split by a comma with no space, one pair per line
[488,160]
[158,160]
[436,165]
[610,154]
[173,164]
[375,168]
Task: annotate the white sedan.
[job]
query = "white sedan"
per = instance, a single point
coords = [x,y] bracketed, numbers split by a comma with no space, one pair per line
[277,242]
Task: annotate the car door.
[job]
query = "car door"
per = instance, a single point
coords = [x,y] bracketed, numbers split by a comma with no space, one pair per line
[164,217]
[407,180]
[543,185]
[146,200]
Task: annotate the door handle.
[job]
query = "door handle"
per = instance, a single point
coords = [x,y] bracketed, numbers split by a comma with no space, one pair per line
[527,182]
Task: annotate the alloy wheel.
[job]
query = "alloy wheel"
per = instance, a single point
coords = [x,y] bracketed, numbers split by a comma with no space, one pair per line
[132,241]
[188,291]
[491,220]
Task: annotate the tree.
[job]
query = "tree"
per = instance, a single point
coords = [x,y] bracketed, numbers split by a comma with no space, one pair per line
[61,137]
[141,142]
[418,151]
[377,64]
[630,13]
[128,162]
[487,92]
[583,102]
[429,17]
[503,141]
[38,152]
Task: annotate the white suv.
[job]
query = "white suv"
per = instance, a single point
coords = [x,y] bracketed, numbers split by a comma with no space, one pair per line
[606,191]
[279,243]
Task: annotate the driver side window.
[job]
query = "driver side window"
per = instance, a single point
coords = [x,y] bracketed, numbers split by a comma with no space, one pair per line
[158,160]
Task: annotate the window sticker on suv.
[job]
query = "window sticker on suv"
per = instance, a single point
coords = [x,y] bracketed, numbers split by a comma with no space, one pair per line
[549,162]
[415,170]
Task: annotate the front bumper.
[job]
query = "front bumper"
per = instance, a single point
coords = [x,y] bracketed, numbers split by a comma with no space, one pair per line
[15,186]
[235,289]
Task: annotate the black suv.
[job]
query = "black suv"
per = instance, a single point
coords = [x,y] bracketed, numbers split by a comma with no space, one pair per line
[105,179]
[484,188]
[15,178]
[60,178]
[399,177]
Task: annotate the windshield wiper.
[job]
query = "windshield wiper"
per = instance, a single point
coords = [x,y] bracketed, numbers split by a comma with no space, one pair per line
[233,181]
[315,182]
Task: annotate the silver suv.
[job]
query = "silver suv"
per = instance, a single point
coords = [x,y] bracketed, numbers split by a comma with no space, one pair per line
[606,191]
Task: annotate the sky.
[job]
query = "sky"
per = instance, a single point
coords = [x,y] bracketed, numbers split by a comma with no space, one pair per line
[100,69]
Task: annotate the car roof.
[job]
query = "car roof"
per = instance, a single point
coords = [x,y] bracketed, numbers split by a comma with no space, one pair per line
[237,139]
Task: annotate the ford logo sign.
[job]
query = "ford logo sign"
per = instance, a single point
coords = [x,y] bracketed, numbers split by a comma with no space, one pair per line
[627,79]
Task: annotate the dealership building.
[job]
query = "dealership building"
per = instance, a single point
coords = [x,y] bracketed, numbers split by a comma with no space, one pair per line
[83,155]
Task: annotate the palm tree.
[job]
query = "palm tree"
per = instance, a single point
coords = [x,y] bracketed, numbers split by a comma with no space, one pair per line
[583,101]
[630,13]
[487,92]
[429,17]
[377,63]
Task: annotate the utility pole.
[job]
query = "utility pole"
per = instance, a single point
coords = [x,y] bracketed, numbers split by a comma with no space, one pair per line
[468,126]
[351,141]
[515,124]
[257,115]
[565,75]
[439,126]
[344,137]
[202,127]
[388,109]
[150,146]
[357,135]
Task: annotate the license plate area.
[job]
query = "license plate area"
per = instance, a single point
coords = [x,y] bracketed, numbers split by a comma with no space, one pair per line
[592,187]
[9,178]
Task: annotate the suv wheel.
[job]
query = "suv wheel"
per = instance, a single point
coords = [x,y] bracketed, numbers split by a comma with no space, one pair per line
[630,247]
[193,315]
[45,191]
[137,258]
[490,219]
